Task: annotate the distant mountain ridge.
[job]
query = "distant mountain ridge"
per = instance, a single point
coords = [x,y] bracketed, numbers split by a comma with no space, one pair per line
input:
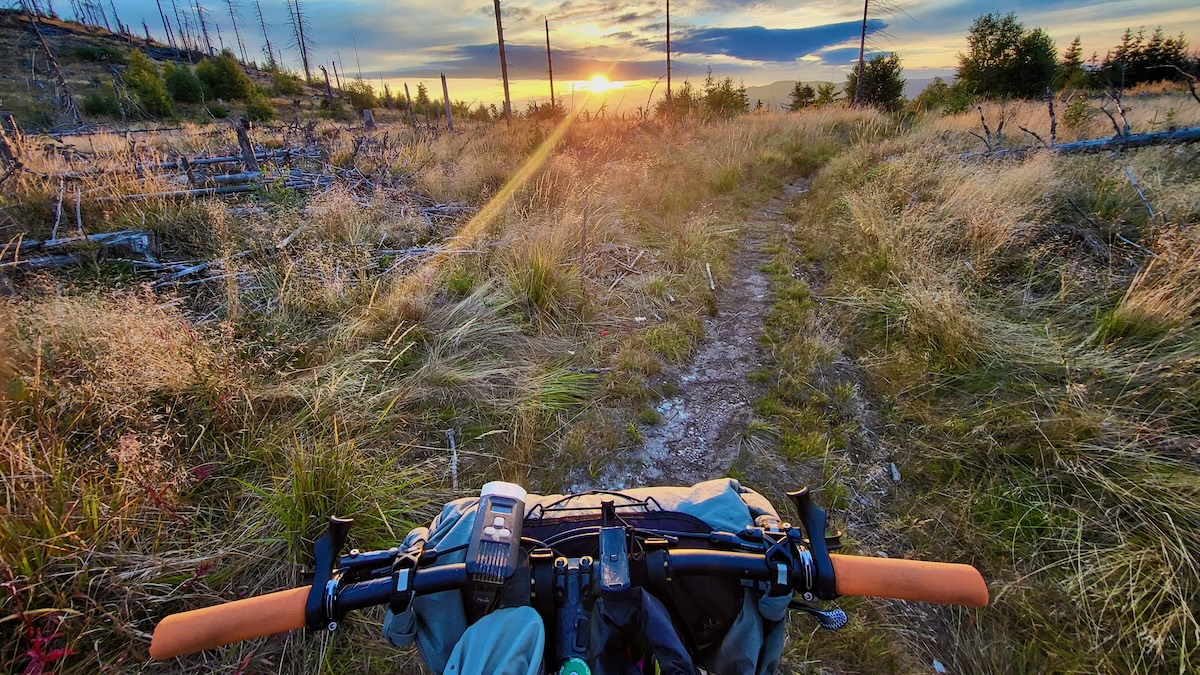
[779,94]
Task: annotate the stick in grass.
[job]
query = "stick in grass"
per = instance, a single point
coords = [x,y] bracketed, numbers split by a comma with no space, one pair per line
[1141,195]
[78,211]
[58,209]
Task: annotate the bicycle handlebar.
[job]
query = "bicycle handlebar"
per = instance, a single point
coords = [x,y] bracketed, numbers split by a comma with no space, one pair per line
[196,630]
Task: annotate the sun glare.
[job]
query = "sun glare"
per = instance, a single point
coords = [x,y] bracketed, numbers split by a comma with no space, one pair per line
[599,84]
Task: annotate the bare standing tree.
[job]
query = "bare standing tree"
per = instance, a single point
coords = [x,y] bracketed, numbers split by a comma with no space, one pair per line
[200,12]
[885,7]
[166,24]
[862,50]
[237,34]
[271,63]
[121,28]
[181,27]
[550,67]
[668,55]
[299,40]
[64,93]
[503,65]
[99,8]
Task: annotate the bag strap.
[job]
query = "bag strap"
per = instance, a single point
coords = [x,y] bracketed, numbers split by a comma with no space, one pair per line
[541,572]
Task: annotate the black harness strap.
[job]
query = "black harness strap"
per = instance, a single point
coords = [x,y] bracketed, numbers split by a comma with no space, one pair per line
[541,572]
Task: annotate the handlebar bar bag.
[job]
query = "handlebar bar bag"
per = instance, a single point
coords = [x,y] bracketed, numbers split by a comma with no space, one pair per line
[735,629]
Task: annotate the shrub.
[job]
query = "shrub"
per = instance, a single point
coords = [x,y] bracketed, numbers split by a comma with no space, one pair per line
[224,78]
[724,99]
[183,85]
[287,84]
[259,109]
[950,99]
[218,111]
[334,110]
[147,83]
[101,104]
[361,95]
[100,54]
[883,82]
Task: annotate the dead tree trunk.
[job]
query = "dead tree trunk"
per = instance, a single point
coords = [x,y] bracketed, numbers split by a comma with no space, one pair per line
[302,40]
[166,25]
[446,98]
[243,136]
[261,22]
[412,114]
[182,29]
[862,50]
[503,64]
[66,101]
[668,62]
[549,67]
[203,27]
[121,27]
[368,119]
[328,87]
[237,34]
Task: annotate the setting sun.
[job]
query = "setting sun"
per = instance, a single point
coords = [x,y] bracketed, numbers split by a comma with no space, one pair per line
[599,84]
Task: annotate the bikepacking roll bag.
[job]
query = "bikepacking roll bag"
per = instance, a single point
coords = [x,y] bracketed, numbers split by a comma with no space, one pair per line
[732,629]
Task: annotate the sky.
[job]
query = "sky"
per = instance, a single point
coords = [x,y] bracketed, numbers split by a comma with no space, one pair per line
[753,41]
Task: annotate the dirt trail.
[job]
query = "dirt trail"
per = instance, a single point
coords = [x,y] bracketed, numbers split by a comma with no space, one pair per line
[701,428]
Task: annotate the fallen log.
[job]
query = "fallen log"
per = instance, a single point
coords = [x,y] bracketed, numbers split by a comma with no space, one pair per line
[75,250]
[183,163]
[138,241]
[206,192]
[1176,136]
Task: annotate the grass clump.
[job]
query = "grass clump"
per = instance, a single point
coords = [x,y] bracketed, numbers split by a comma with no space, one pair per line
[675,340]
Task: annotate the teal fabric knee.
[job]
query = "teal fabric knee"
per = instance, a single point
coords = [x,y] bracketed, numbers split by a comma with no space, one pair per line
[505,642]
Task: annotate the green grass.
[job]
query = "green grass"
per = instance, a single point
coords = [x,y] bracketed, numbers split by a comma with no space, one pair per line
[649,416]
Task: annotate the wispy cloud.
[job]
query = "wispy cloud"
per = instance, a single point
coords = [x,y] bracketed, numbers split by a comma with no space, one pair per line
[755,43]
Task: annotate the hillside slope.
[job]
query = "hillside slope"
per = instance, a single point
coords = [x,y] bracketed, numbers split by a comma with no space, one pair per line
[92,61]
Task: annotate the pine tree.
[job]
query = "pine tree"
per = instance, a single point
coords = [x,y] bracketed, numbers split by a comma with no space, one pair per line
[827,93]
[1071,73]
[882,82]
[803,96]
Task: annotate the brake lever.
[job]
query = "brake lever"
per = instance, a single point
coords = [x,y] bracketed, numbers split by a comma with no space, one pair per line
[829,619]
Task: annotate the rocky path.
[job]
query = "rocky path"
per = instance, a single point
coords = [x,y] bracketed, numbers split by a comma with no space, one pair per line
[701,428]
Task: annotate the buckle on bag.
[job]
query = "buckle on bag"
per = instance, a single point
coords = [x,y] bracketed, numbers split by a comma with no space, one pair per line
[403,571]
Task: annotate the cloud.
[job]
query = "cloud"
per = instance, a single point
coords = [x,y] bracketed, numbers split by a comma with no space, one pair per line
[508,11]
[841,56]
[529,62]
[755,43]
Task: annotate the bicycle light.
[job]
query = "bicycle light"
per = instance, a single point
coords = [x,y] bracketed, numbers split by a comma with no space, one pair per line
[494,550]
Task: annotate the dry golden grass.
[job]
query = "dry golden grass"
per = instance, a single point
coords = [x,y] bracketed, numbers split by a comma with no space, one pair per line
[193,444]
[1033,331]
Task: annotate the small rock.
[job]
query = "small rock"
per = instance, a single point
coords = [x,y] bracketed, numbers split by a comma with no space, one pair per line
[895,472]
[938,667]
